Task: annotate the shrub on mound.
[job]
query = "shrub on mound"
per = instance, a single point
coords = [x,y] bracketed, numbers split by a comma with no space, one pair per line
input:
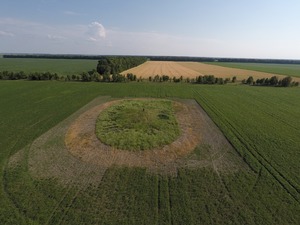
[138,124]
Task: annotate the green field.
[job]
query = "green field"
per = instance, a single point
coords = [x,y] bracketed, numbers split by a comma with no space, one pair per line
[262,123]
[59,66]
[281,69]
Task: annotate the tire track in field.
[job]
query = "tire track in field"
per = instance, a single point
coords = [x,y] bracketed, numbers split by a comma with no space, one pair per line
[277,175]
[80,189]
[254,184]
[5,167]
[55,208]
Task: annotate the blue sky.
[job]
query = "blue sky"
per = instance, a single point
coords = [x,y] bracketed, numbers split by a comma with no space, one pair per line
[211,28]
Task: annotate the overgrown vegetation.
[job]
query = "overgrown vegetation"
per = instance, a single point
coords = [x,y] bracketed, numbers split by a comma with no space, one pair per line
[138,124]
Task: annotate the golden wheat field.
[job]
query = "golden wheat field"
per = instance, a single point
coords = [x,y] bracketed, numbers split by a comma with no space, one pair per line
[193,69]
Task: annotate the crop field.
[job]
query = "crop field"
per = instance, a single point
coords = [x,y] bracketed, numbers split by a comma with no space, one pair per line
[59,66]
[243,167]
[194,69]
[284,69]
[153,68]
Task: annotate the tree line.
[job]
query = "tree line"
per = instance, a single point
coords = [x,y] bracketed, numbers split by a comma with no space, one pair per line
[92,75]
[7,75]
[273,81]
[155,58]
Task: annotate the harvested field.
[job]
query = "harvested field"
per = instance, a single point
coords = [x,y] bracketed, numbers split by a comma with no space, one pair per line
[220,71]
[153,68]
[194,69]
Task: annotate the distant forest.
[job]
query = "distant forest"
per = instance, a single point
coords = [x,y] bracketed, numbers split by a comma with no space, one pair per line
[156,58]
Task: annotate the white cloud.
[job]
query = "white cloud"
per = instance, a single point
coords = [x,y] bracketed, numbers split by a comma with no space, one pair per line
[6,34]
[71,13]
[96,32]
[16,22]
[55,37]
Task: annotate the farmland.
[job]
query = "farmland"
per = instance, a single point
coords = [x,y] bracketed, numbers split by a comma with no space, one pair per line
[64,67]
[152,68]
[193,69]
[284,69]
[59,66]
[256,183]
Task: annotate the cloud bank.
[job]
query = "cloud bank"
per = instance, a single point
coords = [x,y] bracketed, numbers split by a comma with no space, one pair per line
[94,38]
[6,34]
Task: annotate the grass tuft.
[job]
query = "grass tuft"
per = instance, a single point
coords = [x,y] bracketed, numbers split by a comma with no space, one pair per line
[138,124]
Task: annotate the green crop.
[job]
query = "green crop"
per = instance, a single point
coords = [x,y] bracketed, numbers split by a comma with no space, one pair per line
[262,123]
[281,69]
[62,67]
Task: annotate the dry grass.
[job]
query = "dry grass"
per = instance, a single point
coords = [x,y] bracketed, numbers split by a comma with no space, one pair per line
[194,69]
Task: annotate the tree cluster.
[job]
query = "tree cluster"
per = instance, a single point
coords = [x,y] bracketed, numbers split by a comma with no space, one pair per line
[114,65]
[6,75]
[158,78]
[273,81]
[211,79]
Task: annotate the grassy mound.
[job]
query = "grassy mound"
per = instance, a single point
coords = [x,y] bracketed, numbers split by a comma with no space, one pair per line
[138,124]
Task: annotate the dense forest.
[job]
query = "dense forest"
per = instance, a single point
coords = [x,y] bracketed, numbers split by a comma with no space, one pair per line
[157,58]
[108,65]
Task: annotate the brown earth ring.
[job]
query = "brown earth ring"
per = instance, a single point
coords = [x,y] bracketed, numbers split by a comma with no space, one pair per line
[82,142]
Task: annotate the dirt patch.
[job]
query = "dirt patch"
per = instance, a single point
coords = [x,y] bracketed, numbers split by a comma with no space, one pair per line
[59,154]
[83,143]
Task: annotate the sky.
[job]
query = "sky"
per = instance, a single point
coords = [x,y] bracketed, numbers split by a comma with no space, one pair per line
[204,28]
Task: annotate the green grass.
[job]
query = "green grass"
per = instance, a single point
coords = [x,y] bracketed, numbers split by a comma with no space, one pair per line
[281,69]
[59,66]
[262,123]
[138,124]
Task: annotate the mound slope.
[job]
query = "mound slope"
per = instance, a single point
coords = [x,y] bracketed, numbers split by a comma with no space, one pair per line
[83,143]
[72,154]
